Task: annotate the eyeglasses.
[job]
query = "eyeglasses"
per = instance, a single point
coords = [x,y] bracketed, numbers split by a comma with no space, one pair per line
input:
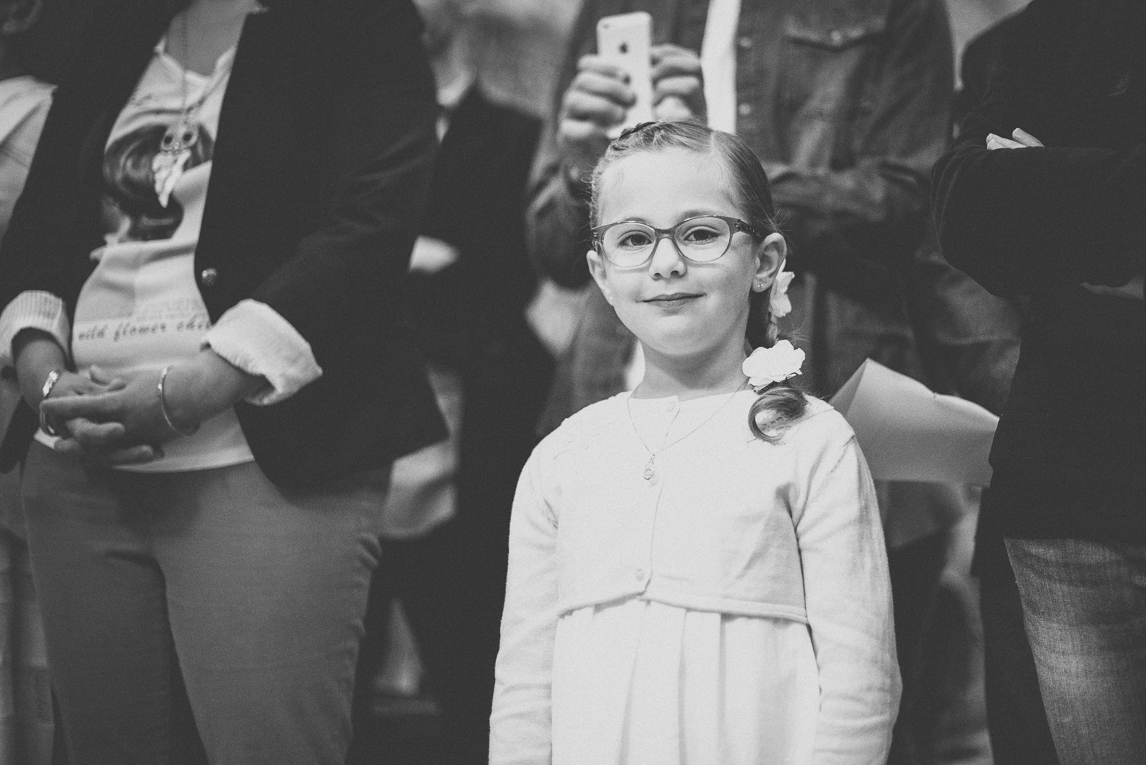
[703,239]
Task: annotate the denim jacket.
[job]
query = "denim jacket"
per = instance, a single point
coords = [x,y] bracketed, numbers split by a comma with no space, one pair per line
[847,104]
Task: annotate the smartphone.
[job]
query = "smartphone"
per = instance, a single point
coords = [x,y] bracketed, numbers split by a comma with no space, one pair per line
[625,40]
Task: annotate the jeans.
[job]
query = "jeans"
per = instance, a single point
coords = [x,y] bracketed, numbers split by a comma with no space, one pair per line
[1015,717]
[200,616]
[1084,606]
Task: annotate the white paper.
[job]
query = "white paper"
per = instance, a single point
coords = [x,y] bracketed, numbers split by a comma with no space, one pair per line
[909,433]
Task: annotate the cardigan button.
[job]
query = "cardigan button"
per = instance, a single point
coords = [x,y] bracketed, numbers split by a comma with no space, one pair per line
[208,276]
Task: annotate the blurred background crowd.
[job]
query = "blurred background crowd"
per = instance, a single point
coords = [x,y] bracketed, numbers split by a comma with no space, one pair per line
[500,320]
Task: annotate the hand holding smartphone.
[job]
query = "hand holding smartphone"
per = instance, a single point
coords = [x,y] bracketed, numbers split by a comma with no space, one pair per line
[625,40]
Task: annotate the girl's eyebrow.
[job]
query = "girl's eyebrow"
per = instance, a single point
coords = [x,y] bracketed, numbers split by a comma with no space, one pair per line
[697,212]
[685,216]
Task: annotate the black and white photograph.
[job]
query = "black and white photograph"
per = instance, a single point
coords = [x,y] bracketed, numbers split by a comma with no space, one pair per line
[572,382]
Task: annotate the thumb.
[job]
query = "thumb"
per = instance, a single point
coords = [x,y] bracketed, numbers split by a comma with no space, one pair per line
[672,108]
[1026,138]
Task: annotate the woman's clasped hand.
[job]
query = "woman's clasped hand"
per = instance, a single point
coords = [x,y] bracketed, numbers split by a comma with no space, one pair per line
[125,418]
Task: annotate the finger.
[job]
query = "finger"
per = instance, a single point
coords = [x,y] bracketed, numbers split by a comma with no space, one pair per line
[607,88]
[659,53]
[1025,138]
[96,436]
[581,144]
[689,89]
[100,406]
[83,386]
[105,379]
[676,66]
[998,142]
[588,108]
[68,446]
[601,66]
[672,108]
[134,455]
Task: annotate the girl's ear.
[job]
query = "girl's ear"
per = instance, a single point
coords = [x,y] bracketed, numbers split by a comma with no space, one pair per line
[770,255]
[597,269]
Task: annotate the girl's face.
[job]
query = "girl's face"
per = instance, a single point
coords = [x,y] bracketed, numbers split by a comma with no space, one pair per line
[676,307]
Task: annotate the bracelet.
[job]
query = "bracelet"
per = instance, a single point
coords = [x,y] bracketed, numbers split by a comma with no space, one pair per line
[49,383]
[163,407]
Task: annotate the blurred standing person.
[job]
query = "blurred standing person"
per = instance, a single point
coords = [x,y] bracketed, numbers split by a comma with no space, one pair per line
[202,290]
[847,104]
[1041,198]
[969,340]
[24,102]
[25,691]
[447,519]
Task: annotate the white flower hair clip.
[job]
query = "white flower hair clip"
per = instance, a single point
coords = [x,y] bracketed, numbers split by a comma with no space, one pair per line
[778,302]
[772,365]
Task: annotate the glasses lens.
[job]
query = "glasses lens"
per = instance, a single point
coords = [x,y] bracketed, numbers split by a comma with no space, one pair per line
[702,239]
[628,244]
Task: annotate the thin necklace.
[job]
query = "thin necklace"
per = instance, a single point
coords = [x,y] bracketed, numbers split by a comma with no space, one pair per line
[650,472]
[183,133]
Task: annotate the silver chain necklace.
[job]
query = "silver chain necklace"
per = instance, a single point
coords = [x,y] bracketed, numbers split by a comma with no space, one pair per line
[183,133]
[650,472]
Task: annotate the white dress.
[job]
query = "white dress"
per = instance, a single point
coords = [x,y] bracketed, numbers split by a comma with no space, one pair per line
[654,677]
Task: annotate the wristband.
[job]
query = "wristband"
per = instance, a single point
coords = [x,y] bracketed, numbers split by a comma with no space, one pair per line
[163,407]
[49,383]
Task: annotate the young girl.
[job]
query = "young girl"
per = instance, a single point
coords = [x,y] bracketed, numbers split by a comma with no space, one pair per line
[697,571]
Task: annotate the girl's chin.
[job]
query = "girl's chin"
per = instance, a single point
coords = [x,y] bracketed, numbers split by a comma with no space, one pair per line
[681,345]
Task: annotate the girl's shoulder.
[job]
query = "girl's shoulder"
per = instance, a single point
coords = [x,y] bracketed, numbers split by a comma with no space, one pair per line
[585,425]
[820,426]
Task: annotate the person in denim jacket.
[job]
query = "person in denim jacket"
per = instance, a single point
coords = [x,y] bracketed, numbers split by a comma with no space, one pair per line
[847,102]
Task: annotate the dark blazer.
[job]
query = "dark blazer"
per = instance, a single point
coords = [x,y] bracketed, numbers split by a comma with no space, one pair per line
[1070,451]
[317,191]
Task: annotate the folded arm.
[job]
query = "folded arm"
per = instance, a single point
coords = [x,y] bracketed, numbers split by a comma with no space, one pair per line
[1042,218]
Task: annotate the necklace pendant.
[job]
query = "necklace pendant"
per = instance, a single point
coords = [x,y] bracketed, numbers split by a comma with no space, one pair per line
[650,472]
[174,152]
[180,135]
[166,170]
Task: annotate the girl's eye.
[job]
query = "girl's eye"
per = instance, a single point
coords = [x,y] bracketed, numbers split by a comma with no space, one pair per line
[634,239]
[702,234]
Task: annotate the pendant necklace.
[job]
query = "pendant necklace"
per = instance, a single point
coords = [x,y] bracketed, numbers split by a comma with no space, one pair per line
[182,134]
[650,471]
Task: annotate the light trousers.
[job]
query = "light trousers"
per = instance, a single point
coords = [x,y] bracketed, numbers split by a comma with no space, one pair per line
[201,616]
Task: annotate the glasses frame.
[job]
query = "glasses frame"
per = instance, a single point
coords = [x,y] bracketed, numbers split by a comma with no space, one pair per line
[734,225]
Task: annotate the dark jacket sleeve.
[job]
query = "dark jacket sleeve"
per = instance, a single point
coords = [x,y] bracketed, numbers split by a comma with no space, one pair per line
[379,165]
[869,215]
[1038,220]
[968,339]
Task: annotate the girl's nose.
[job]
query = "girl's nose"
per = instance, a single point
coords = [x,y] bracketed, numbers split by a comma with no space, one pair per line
[667,259]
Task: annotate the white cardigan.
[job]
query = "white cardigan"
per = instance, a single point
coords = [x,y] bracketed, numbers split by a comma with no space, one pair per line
[733,524]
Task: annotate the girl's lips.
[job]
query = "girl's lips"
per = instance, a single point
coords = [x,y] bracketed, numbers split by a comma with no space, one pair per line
[674,300]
